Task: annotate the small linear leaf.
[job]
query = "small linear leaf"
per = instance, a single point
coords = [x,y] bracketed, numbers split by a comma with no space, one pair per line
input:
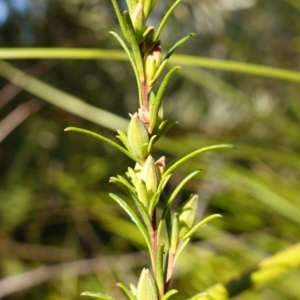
[178,44]
[180,249]
[180,186]
[123,183]
[165,19]
[159,97]
[164,126]
[151,142]
[135,46]
[159,270]
[128,293]
[159,70]
[133,217]
[132,61]
[195,153]
[103,139]
[123,138]
[119,16]
[169,294]
[194,229]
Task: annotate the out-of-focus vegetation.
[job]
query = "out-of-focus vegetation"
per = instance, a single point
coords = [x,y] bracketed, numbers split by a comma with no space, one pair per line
[60,234]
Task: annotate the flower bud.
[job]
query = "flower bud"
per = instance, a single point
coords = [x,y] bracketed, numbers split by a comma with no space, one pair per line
[153,61]
[138,20]
[138,138]
[150,175]
[187,215]
[146,289]
[161,165]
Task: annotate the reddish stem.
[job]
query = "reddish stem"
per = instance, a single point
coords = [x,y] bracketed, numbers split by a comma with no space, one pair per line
[170,270]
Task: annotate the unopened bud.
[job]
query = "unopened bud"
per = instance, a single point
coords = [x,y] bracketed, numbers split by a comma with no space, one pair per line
[150,175]
[138,20]
[138,138]
[146,289]
[187,215]
[161,165]
[153,61]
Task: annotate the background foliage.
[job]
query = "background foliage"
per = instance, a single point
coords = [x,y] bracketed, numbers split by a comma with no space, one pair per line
[60,234]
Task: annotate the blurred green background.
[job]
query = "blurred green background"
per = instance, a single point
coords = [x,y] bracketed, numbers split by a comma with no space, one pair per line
[60,234]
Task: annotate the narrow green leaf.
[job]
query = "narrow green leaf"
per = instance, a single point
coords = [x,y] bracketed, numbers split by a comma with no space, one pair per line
[133,177]
[132,61]
[159,71]
[98,295]
[103,139]
[123,138]
[147,31]
[127,292]
[167,206]
[143,212]
[142,193]
[169,294]
[180,186]
[151,142]
[123,183]
[180,249]
[178,44]
[159,270]
[165,19]
[195,153]
[135,46]
[174,234]
[147,7]
[153,4]
[153,202]
[159,96]
[130,4]
[164,126]
[119,16]
[133,217]
[194,229]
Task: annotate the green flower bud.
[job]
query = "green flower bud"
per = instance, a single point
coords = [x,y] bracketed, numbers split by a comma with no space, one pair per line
[150,175]
[138,21]
[146,289]
[148,6]
[152,63]
[138,138]
[187,215]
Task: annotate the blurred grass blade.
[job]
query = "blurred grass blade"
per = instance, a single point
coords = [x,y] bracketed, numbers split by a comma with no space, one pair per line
[61,99]
[263,193]
[205,62]
[97,295]
[269,269]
